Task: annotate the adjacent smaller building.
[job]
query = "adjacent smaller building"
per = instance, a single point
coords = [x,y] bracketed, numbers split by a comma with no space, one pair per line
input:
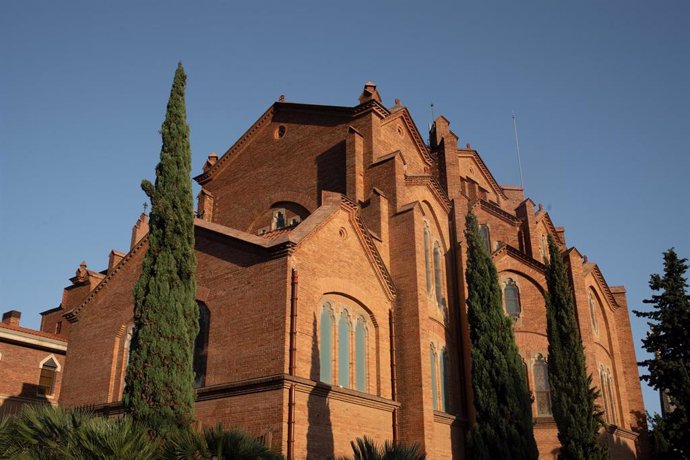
[31,364]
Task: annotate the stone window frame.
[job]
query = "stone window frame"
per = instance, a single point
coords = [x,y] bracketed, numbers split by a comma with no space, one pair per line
[542,359]
[440,376]
[593,303]
[511,281]
[55,370]
[436,284]
[608,394]
[353,313]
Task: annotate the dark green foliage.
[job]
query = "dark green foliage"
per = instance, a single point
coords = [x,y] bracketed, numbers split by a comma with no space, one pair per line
[657,433]
[218,444]
[46,433]
[669,341]
[366,449]
[159,382]
[573,400]
[504,427]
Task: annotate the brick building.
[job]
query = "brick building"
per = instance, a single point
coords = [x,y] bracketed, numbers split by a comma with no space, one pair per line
[331,290]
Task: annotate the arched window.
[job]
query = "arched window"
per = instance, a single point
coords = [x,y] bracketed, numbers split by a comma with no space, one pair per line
[593,313]
[360,355]
[438,274]
[201,346]
[512,299]
[127,346]
[46,380]
[427,257]
[444,380]
[607,395]
[434,391]
[542,386]
[344,350]
[326,343]
[544,248]
[484,232]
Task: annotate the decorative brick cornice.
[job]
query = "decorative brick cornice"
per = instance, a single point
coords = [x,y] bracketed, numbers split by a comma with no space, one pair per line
[599,277]
[496,211]
[372,253]
[412,127]
[517,254]
[73,315]
[434,186]
[485,170]
[237,146]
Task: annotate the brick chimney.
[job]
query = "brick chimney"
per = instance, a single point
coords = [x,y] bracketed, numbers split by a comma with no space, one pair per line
[369,92]
[140,229]
[11,317]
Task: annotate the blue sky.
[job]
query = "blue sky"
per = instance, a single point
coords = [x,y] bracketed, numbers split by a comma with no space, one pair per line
[600,89]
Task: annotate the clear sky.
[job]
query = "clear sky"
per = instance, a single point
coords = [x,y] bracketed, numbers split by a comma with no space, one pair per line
[600,89]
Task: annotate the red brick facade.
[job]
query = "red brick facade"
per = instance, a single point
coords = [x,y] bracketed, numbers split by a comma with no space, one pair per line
[331,260]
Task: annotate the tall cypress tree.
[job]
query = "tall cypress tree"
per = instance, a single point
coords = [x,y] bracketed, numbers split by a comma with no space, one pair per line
[573,400]
[504,427]
[669,341]
[159,382]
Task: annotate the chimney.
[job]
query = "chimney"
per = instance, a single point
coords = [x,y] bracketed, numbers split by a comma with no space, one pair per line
[140,229]
[11,317]
[212,159]
[114,258]
[369,92]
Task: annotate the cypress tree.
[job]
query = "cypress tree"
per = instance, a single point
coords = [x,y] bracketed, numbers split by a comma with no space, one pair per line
[504,427]
[573,400]
[668,340]
[159,382]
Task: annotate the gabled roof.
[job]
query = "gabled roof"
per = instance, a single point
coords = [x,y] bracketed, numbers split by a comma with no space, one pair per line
[485,171]
[404,115]
[280,243]
[506,249]
[32,337]
[496,211]
[601,282]
[433,185]
[267,116]
[543,215]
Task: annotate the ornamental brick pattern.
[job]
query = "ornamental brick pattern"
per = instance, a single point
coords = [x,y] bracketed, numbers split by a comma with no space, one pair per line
[321,212]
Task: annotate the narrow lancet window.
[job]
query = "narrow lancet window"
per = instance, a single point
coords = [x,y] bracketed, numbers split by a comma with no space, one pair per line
[360,356]
[438,274]
[201,346]
[326,345]
[512,299]
[484,232]
[46,381]
[542,387]
[427,257]
[344,350]
[434,390]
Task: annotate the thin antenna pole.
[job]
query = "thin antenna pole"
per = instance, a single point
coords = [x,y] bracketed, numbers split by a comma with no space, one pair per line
[432,112]
[517,149]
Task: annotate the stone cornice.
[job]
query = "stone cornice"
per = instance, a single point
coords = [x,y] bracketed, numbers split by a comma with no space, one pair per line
[33,339]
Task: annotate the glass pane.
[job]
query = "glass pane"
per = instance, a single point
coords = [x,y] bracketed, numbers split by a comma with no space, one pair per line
[344,351]
[326,344]
[427,259]
[444,381]
[438,274]
[360,356]
[201,346]
[46,379]
[434,394]
[512,300]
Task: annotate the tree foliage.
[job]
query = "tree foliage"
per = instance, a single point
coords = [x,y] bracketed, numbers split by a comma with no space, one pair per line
[573,399]
[159,382]
[367,449]
[504,427]
[668,341]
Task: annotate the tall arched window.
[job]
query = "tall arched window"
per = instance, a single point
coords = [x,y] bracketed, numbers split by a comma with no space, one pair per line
[544,248]
[46,380]
[427,257]
[201,346]
[344,350]
[438,274]
[360,355]
[512,299]
[444,380]
[542,386]
[484,232]
[326,344]
[434,391]
[607,395]
[593,313]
